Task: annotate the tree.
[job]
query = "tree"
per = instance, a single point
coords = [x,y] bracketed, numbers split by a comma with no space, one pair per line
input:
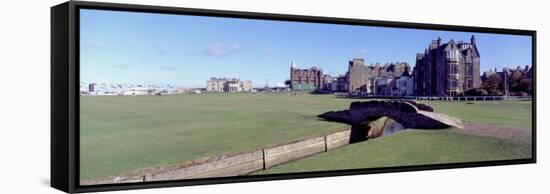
[492,85]
[526,85]
[515,79]
[287,83]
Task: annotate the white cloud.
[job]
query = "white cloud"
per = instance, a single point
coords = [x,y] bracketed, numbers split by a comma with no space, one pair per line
[221,49]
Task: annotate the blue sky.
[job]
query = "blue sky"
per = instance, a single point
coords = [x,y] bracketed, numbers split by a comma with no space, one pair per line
[147,48]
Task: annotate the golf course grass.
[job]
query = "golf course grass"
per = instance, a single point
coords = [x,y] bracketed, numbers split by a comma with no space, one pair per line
[421,147]
[119,134]
[504,113]
[123,133]
[410,147]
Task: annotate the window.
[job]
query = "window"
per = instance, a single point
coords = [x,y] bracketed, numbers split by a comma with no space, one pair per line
[453,83]
[452,69]
[452,54]
[469,70]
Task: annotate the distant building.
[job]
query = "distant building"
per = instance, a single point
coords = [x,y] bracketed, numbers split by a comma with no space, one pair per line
[136,91]
[91,87]
[306,79]
[228,85]
[405,84]
[245,86]
[373,79]
[357,76]
[330,83]
[385,86]
[447,69]
[183,90]
[341,84]
[215,85]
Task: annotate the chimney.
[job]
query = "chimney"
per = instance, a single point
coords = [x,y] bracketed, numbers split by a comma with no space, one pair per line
[473,40]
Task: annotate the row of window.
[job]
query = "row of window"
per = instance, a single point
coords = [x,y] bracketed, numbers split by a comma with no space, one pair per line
[453,83]
[453,69]
[453,54]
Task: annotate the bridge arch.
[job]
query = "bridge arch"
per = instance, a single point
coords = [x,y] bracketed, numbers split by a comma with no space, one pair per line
[407,113]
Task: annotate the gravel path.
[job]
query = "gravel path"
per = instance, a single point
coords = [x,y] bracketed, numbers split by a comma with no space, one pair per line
[492,130]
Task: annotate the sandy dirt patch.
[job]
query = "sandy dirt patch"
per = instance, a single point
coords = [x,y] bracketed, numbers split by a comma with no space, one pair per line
[491,130]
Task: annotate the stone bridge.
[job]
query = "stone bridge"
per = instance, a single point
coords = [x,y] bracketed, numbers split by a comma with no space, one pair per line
[408,113]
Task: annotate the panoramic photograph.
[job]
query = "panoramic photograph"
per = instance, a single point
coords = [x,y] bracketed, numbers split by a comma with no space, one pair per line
[178,97]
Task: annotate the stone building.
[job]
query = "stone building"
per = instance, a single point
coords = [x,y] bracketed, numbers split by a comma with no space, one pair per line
[330,83]
[228,85]
[385,86]
[405,85]
[357,76]
[374,78]
[447,69]
[245,86]
[306,79]
[341,84]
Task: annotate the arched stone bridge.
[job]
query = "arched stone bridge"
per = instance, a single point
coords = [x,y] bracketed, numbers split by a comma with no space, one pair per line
[408,113]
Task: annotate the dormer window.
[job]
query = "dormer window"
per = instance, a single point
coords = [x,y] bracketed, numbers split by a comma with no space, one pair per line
[452,54]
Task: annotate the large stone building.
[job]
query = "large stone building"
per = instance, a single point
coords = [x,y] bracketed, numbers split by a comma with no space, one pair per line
[447,69]
[374,78]
[228,85]
[357,76]
[306,79]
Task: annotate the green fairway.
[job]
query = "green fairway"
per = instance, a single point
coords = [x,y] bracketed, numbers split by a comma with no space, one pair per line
[124,133]
[120,134]
[410,147]
[420,147]
[505,113]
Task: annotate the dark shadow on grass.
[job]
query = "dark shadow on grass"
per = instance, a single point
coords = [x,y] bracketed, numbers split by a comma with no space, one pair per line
[358,134]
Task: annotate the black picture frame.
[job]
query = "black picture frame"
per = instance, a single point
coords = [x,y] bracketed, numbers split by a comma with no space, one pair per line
[65,92]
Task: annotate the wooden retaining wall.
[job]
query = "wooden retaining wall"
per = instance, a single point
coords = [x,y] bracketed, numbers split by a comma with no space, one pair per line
[290,152]
[239,164]
[337,139]
[230,166]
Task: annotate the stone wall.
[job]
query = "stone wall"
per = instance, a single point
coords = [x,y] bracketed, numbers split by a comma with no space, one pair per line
[404,112]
